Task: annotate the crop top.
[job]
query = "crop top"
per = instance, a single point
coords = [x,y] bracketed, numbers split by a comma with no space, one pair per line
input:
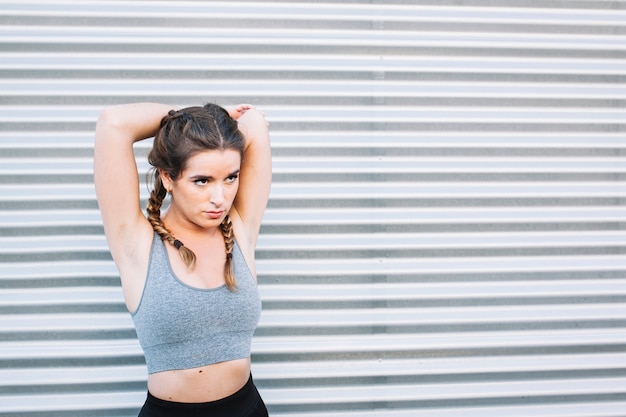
[183,327]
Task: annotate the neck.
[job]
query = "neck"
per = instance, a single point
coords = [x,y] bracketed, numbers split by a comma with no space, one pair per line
[181,229]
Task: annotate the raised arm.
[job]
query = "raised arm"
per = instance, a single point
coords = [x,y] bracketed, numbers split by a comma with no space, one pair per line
[256,171]
[115,174]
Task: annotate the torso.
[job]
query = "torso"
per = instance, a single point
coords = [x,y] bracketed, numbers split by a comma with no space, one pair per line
[205,383]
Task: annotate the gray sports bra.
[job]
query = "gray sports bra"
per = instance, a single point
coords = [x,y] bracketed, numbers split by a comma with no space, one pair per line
[182,327]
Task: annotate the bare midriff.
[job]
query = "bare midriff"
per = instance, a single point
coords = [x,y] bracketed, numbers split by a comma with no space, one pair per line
[203,384]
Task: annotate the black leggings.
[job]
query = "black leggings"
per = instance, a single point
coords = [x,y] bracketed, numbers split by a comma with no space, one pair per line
[244,403]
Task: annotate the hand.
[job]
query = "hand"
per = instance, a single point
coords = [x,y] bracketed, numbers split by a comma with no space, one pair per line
[237,111]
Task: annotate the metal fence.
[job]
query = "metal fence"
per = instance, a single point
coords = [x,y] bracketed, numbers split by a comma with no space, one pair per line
[445,234]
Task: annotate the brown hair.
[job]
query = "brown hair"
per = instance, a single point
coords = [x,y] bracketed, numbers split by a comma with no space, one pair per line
[184,133]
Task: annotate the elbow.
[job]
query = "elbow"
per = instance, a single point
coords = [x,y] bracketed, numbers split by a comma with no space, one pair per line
[254,127]
[111,126]
[108,118]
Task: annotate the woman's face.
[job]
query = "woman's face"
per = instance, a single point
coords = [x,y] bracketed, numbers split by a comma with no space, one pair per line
[205,190]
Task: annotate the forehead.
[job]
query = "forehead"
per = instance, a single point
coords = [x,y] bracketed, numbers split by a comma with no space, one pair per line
[213,162]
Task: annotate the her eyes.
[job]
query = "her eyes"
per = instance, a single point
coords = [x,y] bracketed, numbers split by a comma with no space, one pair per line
[204,181]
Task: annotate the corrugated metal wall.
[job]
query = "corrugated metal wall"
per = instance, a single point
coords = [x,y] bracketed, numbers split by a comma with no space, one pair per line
[445,235]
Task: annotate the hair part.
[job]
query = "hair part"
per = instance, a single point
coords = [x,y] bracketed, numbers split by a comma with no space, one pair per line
[184,133]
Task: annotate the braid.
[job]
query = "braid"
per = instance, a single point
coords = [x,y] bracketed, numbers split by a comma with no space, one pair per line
[173,115]
[154,217]
[229,239]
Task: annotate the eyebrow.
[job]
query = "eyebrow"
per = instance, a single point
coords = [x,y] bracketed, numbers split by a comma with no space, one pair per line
[209,177]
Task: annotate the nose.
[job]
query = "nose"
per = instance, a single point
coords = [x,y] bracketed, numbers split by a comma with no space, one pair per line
[217,196]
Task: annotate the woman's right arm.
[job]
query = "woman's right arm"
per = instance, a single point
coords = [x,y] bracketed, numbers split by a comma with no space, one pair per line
[116,178]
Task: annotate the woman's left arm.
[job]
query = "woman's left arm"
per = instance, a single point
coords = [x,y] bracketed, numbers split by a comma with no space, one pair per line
[256,170]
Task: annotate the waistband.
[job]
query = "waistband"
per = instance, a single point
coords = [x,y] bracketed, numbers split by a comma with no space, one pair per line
[238,403]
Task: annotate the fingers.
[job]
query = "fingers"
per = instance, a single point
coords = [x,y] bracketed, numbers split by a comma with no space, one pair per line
[242,108]
[236,111]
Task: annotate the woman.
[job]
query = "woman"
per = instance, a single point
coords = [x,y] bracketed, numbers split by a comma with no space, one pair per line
[188,272]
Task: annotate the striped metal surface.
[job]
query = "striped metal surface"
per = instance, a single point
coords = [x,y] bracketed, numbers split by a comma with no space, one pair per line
[445,234]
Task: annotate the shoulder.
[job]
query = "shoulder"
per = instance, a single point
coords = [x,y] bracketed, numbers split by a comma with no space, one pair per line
[246,243]
[132,253]
[132,261]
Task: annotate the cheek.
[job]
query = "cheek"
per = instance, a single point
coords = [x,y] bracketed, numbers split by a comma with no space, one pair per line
[232,191]
[195,195]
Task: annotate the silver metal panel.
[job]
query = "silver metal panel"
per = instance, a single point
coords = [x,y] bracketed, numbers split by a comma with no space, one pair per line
[445,234]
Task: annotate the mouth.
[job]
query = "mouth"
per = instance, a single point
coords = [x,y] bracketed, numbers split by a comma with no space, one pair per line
[214,214]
